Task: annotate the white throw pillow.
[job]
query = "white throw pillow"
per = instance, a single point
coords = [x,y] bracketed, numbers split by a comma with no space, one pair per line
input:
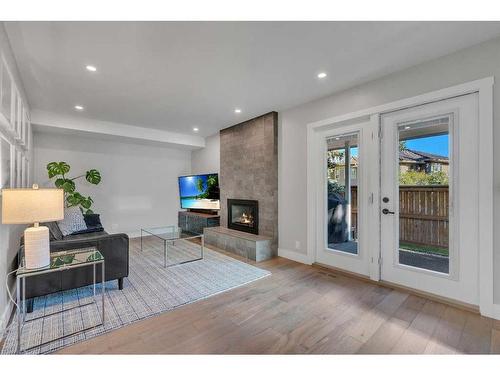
[73,221]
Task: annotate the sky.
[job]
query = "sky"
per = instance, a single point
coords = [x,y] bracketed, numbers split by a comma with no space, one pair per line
[435,145]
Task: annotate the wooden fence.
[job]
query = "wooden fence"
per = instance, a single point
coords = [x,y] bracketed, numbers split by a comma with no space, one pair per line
[423,214]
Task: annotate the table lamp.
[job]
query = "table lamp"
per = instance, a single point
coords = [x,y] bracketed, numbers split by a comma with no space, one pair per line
[32,206]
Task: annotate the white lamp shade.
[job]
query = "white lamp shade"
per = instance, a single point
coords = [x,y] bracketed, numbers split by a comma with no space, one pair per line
[25,206]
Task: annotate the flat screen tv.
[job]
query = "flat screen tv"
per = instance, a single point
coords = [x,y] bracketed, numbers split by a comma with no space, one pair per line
[200,192]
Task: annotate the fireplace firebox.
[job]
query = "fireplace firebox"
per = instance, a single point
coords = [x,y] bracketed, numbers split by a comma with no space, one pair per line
[243,215]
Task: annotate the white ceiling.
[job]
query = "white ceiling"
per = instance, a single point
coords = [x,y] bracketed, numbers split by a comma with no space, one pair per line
[175,76]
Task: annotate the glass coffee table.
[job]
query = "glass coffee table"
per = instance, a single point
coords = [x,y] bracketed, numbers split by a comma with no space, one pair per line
[169,235]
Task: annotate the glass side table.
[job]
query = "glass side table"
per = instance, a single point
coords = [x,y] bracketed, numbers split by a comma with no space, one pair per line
[59,262]
[169,234]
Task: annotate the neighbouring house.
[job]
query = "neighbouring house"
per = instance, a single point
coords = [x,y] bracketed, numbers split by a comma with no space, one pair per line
[413,160]
[409,160]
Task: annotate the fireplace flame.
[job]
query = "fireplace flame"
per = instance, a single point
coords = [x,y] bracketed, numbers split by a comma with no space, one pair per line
[246,218]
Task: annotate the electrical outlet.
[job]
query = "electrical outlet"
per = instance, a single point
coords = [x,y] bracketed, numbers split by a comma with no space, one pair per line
[297,245]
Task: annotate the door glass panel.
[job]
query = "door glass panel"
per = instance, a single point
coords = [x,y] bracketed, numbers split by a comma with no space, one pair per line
[424,166]
[342,217]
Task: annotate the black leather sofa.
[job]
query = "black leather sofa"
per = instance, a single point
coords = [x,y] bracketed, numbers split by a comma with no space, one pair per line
[114,248]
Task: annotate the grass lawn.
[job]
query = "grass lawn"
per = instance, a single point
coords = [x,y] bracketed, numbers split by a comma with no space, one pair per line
[423,248]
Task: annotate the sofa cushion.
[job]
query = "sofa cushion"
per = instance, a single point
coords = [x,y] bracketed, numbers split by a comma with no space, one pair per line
[93,221]
[73,221]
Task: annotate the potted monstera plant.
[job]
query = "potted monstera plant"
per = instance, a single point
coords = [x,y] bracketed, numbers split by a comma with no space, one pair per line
[59,171]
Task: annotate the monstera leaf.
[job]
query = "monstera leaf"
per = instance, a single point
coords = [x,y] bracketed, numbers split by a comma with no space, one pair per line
[59,183]
[73,198]
[93,176]
[67,185]
[86,202]
[58,168]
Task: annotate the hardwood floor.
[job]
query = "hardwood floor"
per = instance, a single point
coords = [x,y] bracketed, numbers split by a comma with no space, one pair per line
[303,309]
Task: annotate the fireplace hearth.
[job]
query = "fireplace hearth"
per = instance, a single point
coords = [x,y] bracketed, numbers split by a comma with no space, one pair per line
[243,215]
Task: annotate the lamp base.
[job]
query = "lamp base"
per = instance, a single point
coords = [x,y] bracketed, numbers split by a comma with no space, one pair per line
[36,247]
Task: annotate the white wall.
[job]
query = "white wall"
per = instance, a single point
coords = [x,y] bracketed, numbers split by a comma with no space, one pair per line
[139,185]
[207,159]
[472,63]
[9,234]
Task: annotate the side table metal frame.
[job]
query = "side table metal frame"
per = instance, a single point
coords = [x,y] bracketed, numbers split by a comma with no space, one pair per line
[21,300]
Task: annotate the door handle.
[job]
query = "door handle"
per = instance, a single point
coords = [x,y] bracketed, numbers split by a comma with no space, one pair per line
[385,211]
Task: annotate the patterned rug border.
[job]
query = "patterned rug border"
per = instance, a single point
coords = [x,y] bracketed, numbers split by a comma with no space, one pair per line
[154,315]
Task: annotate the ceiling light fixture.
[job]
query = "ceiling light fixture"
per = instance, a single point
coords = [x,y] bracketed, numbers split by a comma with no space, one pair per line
[237,110]
[91,68]
[79,107]
[407,127]
[321,75]
[196,130]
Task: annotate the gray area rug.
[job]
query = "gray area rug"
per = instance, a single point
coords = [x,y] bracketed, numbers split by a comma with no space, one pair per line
[149,290]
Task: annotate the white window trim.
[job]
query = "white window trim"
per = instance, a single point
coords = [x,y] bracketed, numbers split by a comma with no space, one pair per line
[484,88]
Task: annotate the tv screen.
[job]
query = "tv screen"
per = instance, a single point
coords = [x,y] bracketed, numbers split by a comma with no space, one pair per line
[200,191]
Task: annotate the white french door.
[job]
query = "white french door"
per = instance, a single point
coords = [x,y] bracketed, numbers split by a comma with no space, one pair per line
[396,197]
[429,165]
[344,196]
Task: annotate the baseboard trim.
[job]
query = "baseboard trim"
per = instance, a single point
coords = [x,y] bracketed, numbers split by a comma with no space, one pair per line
[295,256]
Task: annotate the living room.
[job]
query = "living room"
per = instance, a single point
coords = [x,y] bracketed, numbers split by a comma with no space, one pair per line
[241,189]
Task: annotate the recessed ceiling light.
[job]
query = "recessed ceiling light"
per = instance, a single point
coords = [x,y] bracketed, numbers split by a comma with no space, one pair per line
[79,107]
[321,75]
[337,138]
[196,130]
[237,110]
[91,68]
[407,127]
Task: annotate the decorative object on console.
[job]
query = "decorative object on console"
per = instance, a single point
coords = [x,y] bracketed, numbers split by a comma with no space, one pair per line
[73,198]
[28,206]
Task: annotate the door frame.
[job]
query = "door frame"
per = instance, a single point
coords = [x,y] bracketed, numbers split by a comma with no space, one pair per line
[484,88]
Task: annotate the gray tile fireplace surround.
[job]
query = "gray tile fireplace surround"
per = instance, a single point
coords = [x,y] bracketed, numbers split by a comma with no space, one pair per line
[248,245]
